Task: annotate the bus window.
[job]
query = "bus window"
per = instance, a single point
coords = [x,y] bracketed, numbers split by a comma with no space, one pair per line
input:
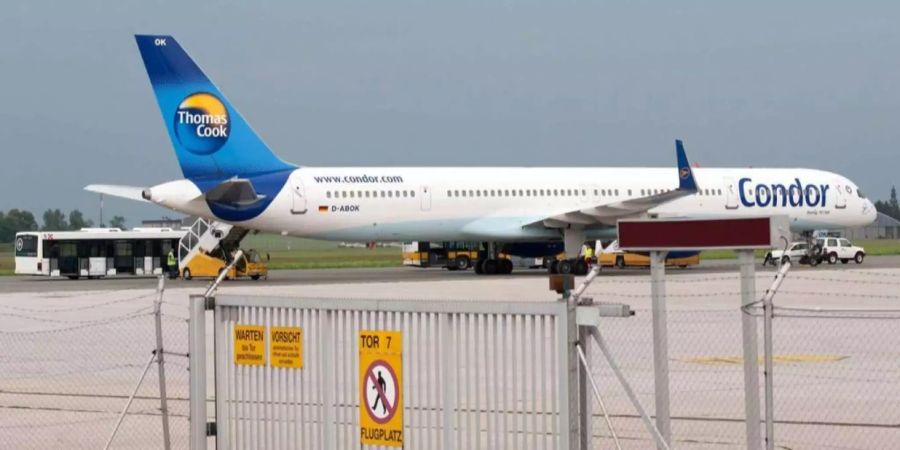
[26,245]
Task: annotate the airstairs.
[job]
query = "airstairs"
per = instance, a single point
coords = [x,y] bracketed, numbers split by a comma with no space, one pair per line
[205,236]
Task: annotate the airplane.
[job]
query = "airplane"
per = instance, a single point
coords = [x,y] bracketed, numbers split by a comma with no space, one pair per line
[231,176]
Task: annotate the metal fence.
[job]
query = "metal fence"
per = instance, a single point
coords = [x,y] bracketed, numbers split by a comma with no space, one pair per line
[476,375]
[836,355]
[70,361]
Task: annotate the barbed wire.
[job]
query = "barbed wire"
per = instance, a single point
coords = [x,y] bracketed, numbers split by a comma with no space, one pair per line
[79,308]
[141,313]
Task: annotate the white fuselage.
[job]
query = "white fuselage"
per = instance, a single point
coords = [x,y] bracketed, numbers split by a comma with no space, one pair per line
[508,204]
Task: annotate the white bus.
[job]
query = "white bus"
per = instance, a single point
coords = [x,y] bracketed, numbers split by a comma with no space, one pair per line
[95,252]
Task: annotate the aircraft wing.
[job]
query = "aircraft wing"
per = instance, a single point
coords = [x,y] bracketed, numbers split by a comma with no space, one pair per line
[610,213]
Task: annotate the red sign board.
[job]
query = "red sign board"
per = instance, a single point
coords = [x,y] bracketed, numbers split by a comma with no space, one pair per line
[676,234]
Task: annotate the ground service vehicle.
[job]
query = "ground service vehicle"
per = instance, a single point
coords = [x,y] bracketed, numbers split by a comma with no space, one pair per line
[612,255]
[95,252]
[209,265]
[833,249]
[798,252]
[454,255]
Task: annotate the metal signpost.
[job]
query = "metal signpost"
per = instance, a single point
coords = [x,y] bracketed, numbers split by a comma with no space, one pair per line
[660,236]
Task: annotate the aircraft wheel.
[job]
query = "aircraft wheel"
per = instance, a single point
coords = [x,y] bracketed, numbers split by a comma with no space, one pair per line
[554,266]
[581,267]
[479,267]
[506,266]
[491,266]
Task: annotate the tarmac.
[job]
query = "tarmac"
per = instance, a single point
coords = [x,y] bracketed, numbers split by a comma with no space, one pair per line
[72,351]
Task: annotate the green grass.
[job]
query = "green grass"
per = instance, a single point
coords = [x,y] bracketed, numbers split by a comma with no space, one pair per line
[296,253]
[7,264]
[873,248]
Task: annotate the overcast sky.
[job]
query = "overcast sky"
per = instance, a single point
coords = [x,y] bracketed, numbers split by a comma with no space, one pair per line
[767,83]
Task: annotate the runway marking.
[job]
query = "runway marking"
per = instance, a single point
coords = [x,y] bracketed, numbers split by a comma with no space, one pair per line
[778,359]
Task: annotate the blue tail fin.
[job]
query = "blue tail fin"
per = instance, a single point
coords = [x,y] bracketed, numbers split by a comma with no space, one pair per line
[211,139]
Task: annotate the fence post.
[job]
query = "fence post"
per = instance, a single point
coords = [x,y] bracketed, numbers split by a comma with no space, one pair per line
[660,343]
[197,364]
[566,337]
[751,354]
[584,402]
[160,362]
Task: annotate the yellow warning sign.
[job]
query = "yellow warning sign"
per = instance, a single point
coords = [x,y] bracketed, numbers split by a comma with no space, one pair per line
[381,388]
[286,347]
[250,345]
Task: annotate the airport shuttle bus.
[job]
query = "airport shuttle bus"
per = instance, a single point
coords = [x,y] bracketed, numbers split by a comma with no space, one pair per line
[95,252]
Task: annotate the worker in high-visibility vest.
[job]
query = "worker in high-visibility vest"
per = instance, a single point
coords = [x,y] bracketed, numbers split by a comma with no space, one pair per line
[172,264]
[588,254]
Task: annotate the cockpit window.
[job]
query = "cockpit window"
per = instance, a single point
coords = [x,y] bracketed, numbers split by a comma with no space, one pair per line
[859,192]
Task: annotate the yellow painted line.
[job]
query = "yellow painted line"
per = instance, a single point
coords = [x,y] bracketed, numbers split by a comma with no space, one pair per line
[778,359]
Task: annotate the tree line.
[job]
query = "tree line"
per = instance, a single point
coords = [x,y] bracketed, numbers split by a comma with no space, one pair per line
[890,207]
[16,220]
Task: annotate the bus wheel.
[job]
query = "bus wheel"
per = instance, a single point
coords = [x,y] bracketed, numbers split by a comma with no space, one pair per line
[186,274]
[461,262]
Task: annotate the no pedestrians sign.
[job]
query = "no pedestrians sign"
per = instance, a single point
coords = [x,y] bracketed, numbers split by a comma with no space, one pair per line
[381,388]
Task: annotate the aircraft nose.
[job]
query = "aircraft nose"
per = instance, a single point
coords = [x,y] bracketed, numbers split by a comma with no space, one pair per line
[870,211]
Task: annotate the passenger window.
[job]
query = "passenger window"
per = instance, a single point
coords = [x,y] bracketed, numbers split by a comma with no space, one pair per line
[344,194]
[845,243]
[390,194]
[832,242]
[327,194]
[412,194]
[617,192]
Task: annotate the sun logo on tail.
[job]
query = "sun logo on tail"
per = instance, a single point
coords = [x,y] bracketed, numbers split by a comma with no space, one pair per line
[202,123]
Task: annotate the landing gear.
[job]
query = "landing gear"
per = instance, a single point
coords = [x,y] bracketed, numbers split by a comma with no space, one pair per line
[575,266]
[490,263]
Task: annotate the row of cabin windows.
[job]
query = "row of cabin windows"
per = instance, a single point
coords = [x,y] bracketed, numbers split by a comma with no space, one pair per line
[522,192]
[504,193]
[370,194]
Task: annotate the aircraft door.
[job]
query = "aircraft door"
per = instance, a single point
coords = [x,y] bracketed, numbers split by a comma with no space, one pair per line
[298,198]
[425,193]
[841,194]
[731,194]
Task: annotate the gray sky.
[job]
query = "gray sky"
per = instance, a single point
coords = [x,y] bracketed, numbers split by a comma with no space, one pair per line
[770,83]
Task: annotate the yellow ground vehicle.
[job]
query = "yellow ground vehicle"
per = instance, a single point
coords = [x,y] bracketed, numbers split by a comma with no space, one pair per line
[612,255]
[456,255]
[206,265]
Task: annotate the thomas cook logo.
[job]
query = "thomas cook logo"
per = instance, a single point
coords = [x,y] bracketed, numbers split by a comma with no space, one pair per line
[685,172]
[202,124]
